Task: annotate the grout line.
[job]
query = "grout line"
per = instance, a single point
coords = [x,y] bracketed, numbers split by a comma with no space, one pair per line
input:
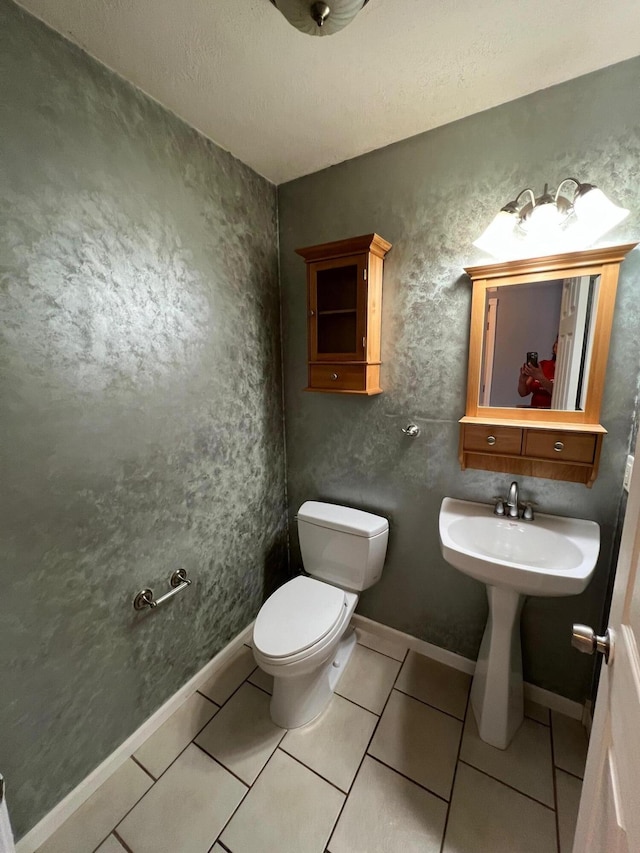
[366,752]
[244,680]
[429,705]
[555,789]
[142,767]
[224,846]
[315,772]
[209,699]
[358,705]
[122,842]
[384,654]
[248,791]
[569,773]
[533,720]
[408,778]
[164,771]
[507,785]
[247,785]
[259,688]
[455,770]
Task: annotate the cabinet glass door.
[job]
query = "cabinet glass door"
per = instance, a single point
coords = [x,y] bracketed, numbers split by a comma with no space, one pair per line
[337,301]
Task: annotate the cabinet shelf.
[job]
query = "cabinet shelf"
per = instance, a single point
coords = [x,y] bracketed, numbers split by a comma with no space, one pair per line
[344,301]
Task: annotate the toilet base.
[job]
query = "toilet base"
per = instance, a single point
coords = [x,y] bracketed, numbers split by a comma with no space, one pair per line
[298,701]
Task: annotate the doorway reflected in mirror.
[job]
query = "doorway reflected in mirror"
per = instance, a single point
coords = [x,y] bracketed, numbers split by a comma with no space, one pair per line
[531,318]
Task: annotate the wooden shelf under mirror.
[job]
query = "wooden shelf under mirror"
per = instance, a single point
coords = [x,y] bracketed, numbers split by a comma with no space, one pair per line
[518,309]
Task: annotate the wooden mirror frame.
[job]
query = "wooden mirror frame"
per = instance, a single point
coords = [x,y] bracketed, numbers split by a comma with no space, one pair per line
[553,443]
[604,262]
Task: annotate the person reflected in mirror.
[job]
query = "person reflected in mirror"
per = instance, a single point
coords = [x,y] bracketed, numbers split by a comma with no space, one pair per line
[537,380]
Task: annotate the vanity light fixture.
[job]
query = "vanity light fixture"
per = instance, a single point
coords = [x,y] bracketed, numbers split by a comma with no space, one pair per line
[319,19]
[572,217]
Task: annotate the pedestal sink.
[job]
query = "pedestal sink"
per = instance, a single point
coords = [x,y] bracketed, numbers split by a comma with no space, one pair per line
[549,556]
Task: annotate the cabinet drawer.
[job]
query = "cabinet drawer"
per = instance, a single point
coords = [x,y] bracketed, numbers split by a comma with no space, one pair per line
[563,446]
[338,377]
[492,439]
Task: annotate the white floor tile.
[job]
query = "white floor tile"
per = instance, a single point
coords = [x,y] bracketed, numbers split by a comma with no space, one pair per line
[334,744]
[434,683]
[368,679]
[221,685]
[242,736]
[568,790]
[94,820]
[262,680]
[288,810]
[386,813]
[111,845]
[391,648]
[488,817]
[166,744]
[537,712]
[186,808]
[525,765]
[418,741]
[569,744]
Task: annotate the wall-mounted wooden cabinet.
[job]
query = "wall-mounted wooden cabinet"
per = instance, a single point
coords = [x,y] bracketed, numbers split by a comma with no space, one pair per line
[344,305]
[540,419]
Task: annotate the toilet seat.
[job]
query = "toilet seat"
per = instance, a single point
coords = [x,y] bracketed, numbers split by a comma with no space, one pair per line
[298,617]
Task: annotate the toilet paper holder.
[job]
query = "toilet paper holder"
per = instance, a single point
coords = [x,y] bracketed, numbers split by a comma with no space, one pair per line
[178,582]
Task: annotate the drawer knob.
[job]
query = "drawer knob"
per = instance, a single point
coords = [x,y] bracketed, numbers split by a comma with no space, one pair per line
[558,446]
[491,440]
[334,376]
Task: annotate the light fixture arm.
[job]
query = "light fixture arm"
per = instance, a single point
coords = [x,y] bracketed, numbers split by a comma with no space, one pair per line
[566,181]
[582,216]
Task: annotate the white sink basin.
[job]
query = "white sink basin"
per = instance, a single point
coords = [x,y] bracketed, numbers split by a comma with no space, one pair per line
[548,556]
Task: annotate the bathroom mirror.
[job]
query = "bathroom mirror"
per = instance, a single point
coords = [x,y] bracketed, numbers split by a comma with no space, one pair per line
[539,339]
[546,325]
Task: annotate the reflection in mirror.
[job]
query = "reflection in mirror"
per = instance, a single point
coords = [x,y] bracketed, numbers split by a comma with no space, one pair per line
[537,344]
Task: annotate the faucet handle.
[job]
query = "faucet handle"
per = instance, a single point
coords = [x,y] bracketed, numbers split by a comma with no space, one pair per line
[528,511]
[499,506]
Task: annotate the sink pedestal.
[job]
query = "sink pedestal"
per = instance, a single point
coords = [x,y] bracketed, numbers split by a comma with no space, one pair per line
[496,693]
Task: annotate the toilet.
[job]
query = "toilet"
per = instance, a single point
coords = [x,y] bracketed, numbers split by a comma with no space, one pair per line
[301,635]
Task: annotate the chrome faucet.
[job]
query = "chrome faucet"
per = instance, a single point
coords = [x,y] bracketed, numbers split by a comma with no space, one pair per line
[510,508]
[512,501]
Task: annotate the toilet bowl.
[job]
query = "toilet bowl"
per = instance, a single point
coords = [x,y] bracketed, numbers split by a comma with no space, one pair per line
[301,635]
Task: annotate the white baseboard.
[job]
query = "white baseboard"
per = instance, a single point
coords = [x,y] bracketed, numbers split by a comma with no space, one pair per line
[536,694]
[81,793]
[421,646]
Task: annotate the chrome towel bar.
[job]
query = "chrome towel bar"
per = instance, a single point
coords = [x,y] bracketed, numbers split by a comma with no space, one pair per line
[144,598]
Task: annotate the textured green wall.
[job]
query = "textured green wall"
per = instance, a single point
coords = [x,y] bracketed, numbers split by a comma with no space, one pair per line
[141,414]
[431,196]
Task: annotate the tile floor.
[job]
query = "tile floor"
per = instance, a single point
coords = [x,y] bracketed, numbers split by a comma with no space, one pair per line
[394,764]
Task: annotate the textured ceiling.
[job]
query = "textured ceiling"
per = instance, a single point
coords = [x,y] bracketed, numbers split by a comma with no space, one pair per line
[288,104]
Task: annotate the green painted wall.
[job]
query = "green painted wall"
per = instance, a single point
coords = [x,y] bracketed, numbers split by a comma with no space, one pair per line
[141,414]
[141,398]
[431,196]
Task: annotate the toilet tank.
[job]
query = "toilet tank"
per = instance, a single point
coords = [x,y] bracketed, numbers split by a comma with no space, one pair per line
[342,546]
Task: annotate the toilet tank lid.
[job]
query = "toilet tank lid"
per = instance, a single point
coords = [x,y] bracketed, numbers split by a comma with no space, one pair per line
[342,518]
